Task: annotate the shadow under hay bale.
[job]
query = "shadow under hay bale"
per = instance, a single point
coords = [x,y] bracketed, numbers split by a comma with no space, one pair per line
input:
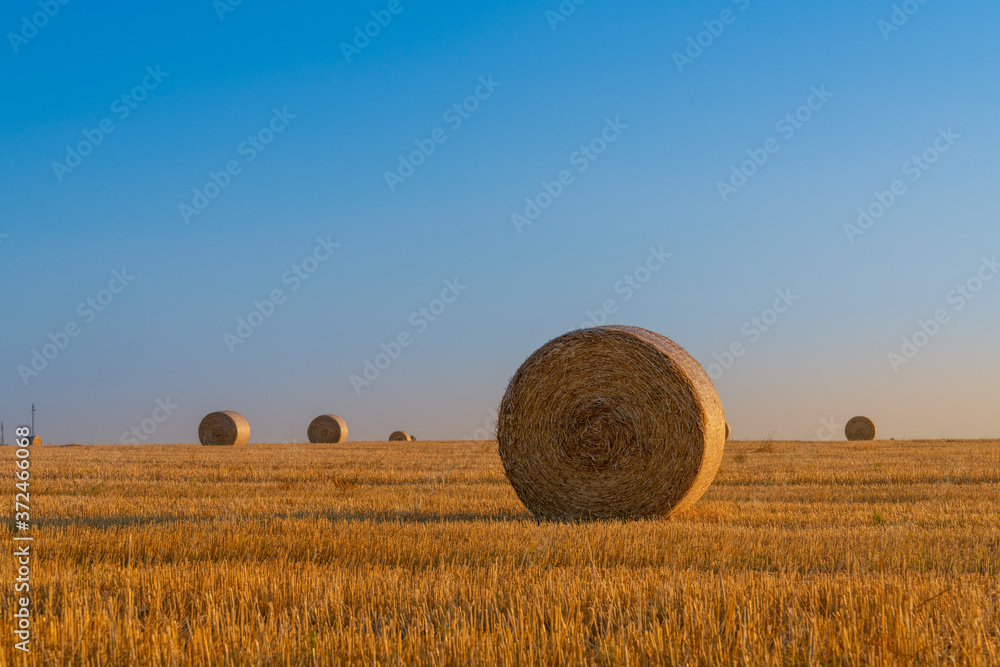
[610,422]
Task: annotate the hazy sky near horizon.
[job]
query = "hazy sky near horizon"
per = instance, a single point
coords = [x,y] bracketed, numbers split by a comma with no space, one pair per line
[811,185]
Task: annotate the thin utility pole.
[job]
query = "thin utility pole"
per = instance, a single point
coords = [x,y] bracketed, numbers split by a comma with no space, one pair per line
[2,443]
[32,419]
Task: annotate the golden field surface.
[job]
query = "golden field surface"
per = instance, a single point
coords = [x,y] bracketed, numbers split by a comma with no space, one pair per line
[801,553]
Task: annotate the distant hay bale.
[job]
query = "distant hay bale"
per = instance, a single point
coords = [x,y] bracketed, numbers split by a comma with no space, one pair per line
[610,422]
[728,431]
[225,428]
[36,441]
[400,436]
[328,428]
[860,428]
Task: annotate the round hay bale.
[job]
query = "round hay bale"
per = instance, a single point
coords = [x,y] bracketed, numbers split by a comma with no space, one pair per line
[225,428]
[328,428]
[36,441]
[400,436]
[860,428]
[610,422]
[728,432]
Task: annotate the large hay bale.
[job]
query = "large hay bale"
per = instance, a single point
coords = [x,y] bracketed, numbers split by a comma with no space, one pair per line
[225,428]
[36,441]
[728,432]
[400,436]
[328,428]
[610,422]
[860,428]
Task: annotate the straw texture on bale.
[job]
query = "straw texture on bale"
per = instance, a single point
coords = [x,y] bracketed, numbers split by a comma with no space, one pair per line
[400,436]
[225,428]
[328,429]
[860,428]
[610,422]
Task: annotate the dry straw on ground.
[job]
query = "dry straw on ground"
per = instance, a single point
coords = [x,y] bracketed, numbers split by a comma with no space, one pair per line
[860,428]
[400,436]
[610,422]
[226,428]
[813,554]
[328,428]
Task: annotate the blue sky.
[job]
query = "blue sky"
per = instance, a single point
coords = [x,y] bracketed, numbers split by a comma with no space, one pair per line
[267,91]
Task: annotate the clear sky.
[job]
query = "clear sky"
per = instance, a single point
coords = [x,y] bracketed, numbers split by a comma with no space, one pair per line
[511,168]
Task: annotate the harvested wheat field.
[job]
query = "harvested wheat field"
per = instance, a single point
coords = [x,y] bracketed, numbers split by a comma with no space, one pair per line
[404,553]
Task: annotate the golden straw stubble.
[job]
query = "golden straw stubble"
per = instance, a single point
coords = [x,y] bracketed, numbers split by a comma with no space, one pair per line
[327,429]
[860,428]
[226,428]
[610,422]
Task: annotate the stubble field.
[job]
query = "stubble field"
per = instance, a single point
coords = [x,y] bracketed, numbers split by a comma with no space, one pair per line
[420,553]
